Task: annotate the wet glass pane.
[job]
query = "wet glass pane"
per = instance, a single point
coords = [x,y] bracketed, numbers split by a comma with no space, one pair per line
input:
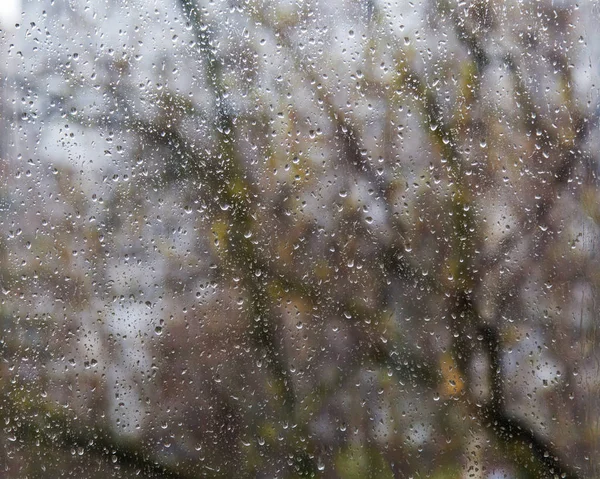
[276,239]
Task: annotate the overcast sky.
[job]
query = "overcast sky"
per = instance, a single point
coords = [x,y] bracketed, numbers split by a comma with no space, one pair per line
[9,12]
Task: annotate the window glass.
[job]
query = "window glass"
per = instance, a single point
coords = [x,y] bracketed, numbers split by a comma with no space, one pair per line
[280,239]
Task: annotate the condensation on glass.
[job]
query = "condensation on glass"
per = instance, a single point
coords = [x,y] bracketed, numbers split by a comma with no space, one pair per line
[281,239]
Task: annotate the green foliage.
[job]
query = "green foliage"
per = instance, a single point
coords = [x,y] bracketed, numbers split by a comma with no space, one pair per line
[357,462]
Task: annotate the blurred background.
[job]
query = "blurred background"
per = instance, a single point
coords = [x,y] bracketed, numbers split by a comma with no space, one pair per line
[282,239]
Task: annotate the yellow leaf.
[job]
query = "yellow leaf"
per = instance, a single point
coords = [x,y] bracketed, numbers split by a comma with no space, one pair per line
[452,383]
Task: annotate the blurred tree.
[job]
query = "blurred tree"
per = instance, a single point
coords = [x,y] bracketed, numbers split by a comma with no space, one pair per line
[341,240]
